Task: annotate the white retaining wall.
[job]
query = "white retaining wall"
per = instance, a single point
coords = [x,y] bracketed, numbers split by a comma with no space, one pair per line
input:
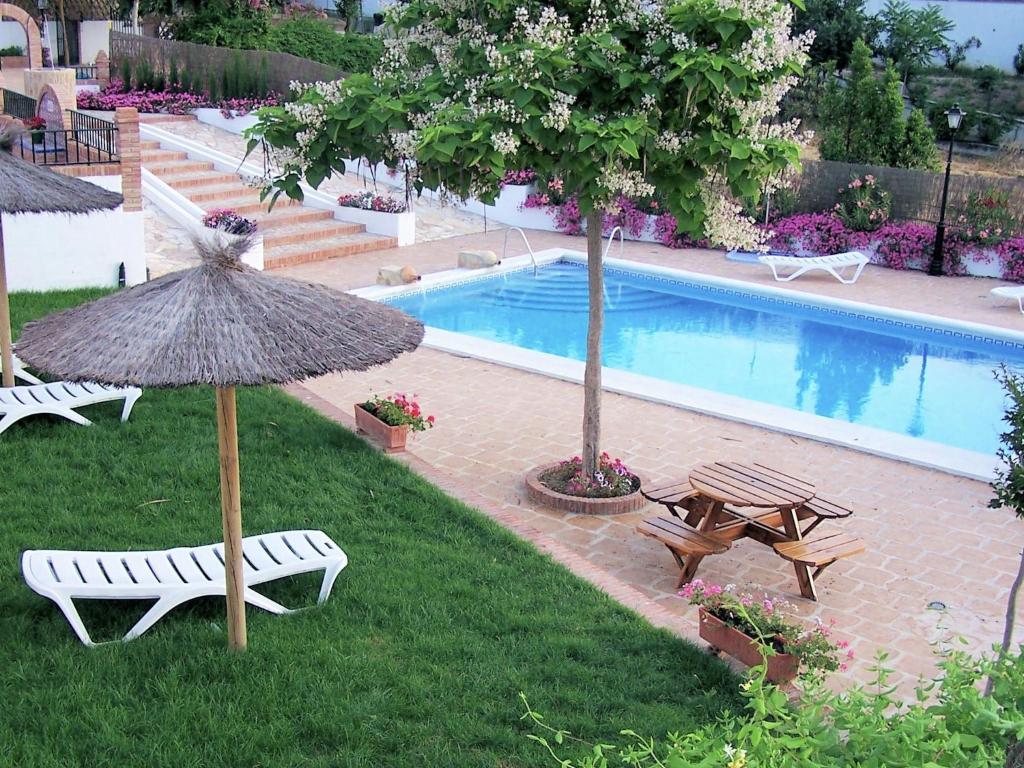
[54,251]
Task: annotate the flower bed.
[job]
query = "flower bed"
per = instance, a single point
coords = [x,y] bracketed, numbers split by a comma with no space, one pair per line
[368,201]
[171,102]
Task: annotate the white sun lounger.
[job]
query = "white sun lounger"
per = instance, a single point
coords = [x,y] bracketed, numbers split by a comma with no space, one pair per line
[1010,292]
[21,373]
[61,399]
[833,264]
[175,576]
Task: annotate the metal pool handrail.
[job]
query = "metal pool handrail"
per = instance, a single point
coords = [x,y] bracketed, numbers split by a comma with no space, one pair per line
[504,249]
[611,238]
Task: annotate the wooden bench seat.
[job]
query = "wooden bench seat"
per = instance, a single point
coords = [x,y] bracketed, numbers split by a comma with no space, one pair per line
[688,546]
[821,509]
[821,551]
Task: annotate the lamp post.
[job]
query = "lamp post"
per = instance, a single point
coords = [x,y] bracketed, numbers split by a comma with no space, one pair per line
[953,117]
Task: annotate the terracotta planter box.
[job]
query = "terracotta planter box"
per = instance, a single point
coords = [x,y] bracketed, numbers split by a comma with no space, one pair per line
[541,494]
[392,439]
[782,667]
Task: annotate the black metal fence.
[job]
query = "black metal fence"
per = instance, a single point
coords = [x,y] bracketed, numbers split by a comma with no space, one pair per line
[18,105]
[85,71]
[95,132]
[66,147]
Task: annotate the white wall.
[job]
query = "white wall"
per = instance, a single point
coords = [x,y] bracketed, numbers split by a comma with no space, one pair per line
[12,33]
[48,251]
[999,26]
[95,37]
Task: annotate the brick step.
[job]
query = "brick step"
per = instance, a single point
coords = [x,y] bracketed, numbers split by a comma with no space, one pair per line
[220,194]
[146,144]
[161,155]
[345,245]
[283,217]
[249,205]
[204,179]
[172,167]
[310,233]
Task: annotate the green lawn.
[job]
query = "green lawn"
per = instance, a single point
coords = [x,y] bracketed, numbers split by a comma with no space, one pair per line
[439,621]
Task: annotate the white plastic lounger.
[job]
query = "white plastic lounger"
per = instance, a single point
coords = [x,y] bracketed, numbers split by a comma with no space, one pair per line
[833,264]
[175,576]
[61,399]
[1010,292]
[21,373]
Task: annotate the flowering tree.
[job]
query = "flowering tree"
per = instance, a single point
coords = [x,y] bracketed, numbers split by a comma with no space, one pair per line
[615,98]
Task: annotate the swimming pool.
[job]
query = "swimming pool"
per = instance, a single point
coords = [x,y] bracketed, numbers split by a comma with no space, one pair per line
[826,358]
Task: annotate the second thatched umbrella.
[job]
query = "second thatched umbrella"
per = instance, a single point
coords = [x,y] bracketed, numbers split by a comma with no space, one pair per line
[28,188]
[224,324]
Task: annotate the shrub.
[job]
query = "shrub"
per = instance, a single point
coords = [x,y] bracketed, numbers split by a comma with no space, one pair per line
[949,725]
[863,205]
[987,219]
[992,127]
[519,178]
[12,50]
[311,38]
[1018,61]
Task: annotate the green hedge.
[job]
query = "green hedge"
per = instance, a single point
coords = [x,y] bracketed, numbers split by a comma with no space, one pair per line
[12,50]
[316,40]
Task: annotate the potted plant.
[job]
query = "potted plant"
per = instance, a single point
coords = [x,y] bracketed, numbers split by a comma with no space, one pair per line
[388,420]
[758,633]
[36,127]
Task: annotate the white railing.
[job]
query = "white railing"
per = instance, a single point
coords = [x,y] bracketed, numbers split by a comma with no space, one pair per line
[504,248]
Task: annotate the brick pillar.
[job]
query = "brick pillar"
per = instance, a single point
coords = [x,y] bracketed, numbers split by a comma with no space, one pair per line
[103,69]
[127,119]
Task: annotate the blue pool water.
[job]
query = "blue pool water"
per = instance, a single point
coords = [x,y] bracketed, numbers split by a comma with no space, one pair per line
[919,382]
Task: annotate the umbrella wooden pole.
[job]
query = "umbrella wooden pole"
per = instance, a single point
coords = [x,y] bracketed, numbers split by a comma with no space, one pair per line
[6,354]
[231,511]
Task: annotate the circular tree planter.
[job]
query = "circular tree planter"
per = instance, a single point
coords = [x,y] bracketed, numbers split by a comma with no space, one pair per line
[541,494]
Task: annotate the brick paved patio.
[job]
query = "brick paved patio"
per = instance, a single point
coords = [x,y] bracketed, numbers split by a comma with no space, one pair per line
[931,535]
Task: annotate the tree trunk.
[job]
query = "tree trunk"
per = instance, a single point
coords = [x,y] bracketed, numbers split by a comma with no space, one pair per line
[231,513]
[135,18]
[595,325]
[1011,615]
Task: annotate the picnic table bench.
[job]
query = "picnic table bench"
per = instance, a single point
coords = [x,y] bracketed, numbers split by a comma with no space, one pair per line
[726,501]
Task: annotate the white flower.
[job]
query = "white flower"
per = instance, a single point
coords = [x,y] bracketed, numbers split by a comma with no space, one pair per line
[505,142]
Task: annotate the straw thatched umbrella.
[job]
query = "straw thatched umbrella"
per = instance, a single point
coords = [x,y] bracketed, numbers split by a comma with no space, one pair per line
[225,324]
[28,188]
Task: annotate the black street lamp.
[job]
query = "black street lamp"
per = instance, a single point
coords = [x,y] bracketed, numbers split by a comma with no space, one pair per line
[953,116]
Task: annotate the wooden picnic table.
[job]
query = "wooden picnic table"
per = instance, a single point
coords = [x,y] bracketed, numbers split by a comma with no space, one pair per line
[726,501]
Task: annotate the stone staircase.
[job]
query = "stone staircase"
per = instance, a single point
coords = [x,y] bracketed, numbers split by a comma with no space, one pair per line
[292,234]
